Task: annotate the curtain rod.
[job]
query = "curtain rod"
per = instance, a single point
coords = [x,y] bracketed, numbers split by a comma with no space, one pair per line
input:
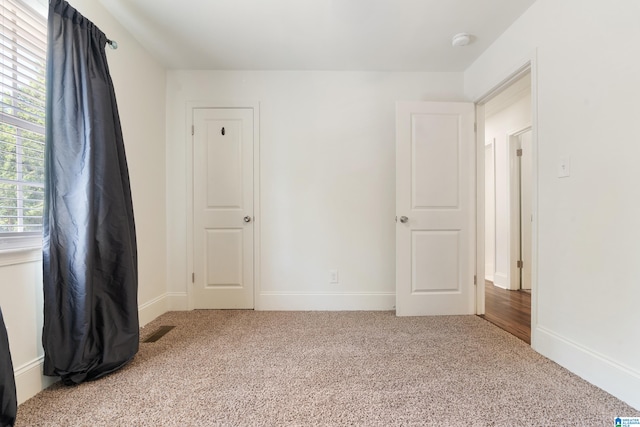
[112,44]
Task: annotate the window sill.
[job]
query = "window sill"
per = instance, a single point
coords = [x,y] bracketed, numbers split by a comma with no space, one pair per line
[20,250]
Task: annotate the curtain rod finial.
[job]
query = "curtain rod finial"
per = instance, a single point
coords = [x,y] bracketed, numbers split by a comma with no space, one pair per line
[113,44]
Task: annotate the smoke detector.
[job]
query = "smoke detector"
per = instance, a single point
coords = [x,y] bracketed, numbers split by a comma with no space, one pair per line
[461,39]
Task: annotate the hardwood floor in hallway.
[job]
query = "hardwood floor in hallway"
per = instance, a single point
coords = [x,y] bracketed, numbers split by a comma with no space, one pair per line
[509,310]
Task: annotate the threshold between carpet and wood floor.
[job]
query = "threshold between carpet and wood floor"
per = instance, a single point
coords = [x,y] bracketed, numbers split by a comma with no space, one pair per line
[247,368]
[509,310]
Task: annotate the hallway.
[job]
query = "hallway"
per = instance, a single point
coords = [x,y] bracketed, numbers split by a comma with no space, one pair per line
[509,310]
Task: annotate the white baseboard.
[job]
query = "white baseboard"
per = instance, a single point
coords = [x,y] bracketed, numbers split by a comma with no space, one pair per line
[489,271]
[601,371]
[152,309]
[285,301]
[501,280]
[177,301]
[30,380]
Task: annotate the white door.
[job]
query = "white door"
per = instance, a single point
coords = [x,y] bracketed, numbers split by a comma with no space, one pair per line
[223,208]
[435,232]
[526,209]
[521,210]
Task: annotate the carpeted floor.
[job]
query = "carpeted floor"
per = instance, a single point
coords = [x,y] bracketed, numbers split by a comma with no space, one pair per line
[246,368]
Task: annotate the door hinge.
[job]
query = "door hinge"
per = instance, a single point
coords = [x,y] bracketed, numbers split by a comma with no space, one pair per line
[193,277]
[475,127]
[475,279]
[519,152]
[193,130]
[520,264]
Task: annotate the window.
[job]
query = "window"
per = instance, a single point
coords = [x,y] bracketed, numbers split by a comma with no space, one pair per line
[23,37]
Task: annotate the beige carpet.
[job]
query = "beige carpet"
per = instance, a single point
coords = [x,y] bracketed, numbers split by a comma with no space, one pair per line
[247,368]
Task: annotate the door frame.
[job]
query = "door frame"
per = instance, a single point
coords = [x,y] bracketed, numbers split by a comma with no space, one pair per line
[500,82]
[257,219]
[492,144]
[515,215]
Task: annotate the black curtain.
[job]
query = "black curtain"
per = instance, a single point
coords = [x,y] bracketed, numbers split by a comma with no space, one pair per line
[89,248]
[8,400]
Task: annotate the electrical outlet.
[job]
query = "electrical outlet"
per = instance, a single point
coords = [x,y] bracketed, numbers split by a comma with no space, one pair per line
[333,276]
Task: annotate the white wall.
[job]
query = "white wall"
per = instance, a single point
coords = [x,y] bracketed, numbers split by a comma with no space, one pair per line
[140,91]
[508,116]
[327,179]
[586,82]
[140,84]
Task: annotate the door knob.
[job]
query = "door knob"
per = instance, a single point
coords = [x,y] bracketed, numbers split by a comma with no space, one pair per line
[247,218]
[404,219]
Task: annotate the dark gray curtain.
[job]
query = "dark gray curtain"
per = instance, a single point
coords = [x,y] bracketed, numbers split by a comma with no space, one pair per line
[8,401]
[89,253]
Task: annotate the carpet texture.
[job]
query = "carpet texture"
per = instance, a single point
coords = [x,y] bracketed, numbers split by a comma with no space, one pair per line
[246,368]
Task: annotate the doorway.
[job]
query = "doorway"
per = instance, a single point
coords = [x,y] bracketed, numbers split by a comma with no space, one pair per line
[508,205]
[224,147]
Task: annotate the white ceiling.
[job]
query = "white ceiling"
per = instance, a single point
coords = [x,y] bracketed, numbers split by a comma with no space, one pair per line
[373,35]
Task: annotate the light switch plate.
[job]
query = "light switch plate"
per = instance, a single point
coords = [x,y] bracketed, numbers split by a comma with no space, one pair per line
[564,167]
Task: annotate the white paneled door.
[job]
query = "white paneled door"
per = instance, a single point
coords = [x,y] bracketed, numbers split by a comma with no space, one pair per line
[526,207]
[435,232]
[223,208]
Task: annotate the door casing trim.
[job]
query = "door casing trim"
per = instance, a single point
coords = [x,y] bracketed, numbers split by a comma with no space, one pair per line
[514,209]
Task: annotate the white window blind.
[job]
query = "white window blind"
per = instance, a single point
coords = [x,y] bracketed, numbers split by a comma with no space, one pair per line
[23,37]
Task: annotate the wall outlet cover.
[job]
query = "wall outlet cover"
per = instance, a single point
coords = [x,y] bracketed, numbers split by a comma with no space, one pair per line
[333,276]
